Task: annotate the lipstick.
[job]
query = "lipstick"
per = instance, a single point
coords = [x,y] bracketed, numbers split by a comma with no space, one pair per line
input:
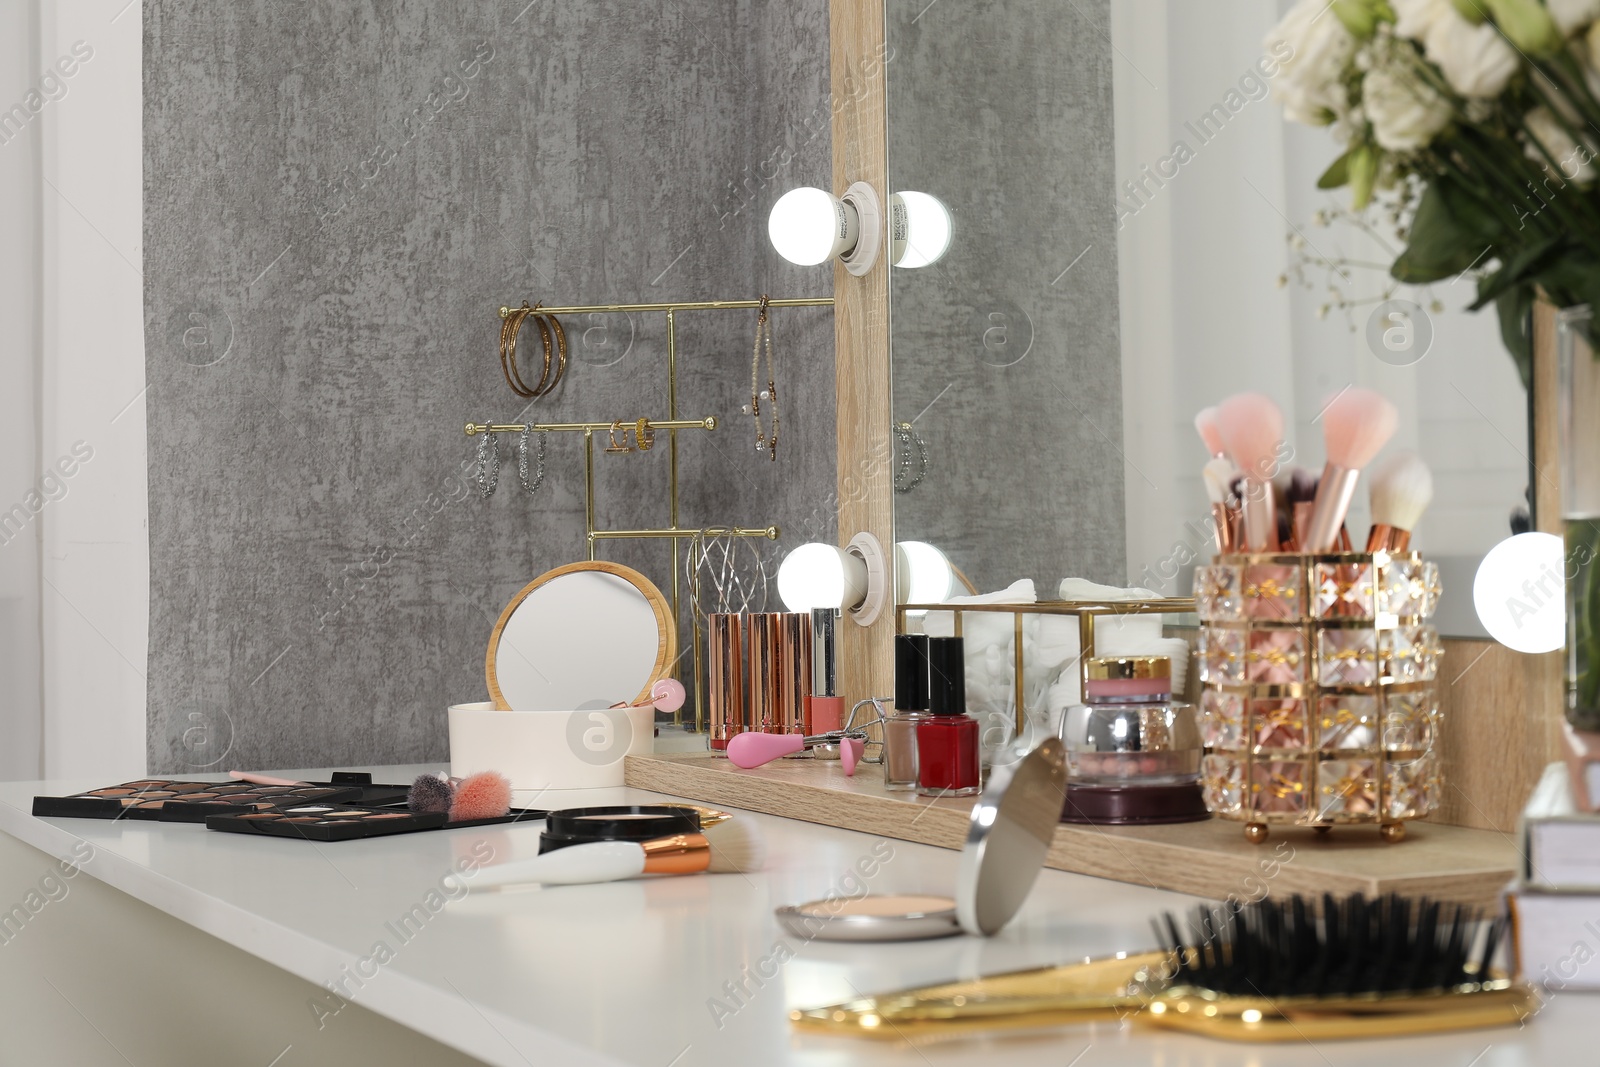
[826,707]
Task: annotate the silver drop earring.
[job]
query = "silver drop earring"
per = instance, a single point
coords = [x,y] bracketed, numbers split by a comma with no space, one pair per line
[488,464]
[911,443]
[522,460]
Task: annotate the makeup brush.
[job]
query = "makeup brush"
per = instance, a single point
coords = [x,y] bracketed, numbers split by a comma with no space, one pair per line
[732,846]
[1355,425]
[1218,476]
[429,794]
[1402,488]
[1302,492]
[1252,429]
[1206,423]
[485,795]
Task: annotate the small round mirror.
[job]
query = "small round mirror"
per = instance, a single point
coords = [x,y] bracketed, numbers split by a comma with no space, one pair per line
[1009,835]
[580,637]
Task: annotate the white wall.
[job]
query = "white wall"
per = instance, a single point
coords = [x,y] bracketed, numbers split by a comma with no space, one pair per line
[1203,316]
[74,590]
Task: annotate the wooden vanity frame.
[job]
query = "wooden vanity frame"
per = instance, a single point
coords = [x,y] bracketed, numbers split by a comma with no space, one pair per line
[1503,708]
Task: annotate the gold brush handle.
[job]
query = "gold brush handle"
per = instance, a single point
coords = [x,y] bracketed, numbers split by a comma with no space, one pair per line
[1050,996]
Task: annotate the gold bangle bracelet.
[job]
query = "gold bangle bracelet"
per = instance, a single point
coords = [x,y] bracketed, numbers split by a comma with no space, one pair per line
[644,434]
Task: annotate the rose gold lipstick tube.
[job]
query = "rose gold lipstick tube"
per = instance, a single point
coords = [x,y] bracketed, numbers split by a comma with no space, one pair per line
[725,701]
[762,671]
[794,673]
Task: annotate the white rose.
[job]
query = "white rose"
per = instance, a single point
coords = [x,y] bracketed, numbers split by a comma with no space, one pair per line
[1417,18]
[1575,161]
[1310,82]
[1405,112]
[1573,15]
[1477,61]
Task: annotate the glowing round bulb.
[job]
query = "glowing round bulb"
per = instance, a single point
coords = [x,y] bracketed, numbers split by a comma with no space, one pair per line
[821,576]
[923,574]
[1520,593]
[810,226]
[920,229]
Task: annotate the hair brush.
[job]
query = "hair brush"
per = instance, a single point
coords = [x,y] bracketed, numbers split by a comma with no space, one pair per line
[1270,971]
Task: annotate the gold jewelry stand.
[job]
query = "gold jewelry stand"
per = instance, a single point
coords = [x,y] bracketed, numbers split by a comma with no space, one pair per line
[672,424]
[1085,611]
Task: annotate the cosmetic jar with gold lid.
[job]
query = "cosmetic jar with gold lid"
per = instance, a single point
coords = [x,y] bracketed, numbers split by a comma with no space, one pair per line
[1133,752]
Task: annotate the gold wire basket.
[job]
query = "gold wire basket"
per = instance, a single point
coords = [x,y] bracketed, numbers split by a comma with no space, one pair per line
[1319,703]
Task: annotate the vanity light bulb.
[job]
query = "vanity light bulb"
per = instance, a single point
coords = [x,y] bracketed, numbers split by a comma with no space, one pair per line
[1520,593]
[919,229]
[816,575]
[810,226]
[923,574]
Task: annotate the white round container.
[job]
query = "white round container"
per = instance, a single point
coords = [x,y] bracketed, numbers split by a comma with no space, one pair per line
[549,749]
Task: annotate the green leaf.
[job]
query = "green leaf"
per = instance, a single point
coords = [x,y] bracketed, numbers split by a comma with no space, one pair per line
[1523,264]
[1449,233]
[1337,174]
[1515,308]
[1471,10]
[1363,171]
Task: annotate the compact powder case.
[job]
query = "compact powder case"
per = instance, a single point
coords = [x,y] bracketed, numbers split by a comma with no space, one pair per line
[1008,835]
[617,822]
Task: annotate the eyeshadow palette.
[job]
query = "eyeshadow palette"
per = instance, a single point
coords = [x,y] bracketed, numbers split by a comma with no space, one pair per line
[326,822]
[343,822]
[175,801]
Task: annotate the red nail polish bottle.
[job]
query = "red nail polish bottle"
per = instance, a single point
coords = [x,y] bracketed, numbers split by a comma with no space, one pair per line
[947,741]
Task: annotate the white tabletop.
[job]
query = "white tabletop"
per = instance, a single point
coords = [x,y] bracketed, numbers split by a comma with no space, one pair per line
[628,972]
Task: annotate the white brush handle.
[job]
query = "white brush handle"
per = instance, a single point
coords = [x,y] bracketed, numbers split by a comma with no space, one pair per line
[601,861]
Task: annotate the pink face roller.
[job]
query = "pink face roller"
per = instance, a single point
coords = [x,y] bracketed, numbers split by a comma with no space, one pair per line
[754,749]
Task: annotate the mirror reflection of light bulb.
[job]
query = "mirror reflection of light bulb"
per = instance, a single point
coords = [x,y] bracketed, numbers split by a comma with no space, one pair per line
[816,575]
[923,574]
[810,226]
[1520,593]
[919,229]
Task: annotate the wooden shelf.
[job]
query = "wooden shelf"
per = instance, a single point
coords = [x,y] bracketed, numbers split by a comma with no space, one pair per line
[1208,859]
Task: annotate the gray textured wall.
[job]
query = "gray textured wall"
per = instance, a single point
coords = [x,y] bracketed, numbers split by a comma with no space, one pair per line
[337,198]
[1010,362]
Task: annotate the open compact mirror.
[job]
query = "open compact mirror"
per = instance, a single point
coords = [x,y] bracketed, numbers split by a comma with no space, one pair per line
[580,637]
[1008,836]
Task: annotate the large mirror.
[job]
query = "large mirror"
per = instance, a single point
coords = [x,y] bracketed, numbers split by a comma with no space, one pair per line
[1136,231]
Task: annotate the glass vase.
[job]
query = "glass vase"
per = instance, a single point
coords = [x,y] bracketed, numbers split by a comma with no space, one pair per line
[1579,423]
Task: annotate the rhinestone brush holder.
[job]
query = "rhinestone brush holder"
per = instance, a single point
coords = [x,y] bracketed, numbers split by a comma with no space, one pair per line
[1319,703]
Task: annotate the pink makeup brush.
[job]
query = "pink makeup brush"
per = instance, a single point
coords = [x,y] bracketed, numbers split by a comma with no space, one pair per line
[1206,423]
[1252,430]
[1355,425]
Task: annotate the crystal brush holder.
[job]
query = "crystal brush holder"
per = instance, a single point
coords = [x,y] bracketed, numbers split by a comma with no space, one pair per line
[1319,704]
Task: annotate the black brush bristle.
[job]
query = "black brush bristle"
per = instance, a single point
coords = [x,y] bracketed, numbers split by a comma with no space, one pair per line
[1281,949]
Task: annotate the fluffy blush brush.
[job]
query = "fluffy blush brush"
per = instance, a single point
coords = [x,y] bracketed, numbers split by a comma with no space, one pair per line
[727,847]
[1402,489]
[1355,425]
[485,795]
[1206,424]
[1252,431]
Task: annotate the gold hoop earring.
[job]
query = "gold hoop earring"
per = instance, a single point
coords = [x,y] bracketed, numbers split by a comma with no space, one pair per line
[509,332]
[616,445]
[644,435]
